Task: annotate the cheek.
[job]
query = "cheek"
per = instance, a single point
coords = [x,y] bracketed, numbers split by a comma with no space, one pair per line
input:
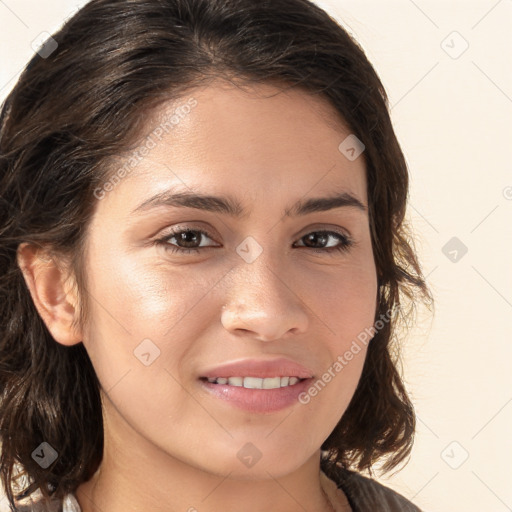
[146,295]
[132,302]
[345,302]
[139,336]
[344,299]
[347,313]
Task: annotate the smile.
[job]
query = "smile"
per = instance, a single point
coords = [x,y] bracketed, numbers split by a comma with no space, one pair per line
[256,382]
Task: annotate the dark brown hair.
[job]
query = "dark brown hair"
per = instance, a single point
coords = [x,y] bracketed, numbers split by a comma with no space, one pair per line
[75,110]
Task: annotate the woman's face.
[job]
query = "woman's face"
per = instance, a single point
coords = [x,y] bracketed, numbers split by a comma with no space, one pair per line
[258,286]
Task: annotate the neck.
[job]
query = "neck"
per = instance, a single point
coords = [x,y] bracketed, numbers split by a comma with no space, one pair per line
[136,475]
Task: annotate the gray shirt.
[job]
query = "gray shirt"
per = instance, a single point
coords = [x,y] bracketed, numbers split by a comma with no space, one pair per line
[367,495]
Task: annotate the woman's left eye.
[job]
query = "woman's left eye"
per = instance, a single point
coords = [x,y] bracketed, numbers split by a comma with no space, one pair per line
[192,236]
[344,242]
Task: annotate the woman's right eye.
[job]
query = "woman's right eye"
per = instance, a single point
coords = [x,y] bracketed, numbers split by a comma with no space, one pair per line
[183,236]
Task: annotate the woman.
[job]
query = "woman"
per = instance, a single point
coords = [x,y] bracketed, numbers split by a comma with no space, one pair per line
[203,264]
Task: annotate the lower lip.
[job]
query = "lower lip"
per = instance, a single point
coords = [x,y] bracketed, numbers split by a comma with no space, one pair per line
[258,400]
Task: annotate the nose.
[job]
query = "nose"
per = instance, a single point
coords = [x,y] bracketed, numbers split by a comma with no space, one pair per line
[265,303]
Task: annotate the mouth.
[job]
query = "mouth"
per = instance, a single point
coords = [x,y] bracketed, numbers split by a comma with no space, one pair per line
[255,382]
[257,385]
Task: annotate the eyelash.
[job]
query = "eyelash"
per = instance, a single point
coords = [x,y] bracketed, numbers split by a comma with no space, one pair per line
[346,242]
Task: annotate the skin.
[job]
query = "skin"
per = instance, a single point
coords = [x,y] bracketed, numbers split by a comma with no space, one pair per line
[168,444]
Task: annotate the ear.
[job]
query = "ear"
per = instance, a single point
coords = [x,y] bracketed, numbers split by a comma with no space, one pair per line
[52,291]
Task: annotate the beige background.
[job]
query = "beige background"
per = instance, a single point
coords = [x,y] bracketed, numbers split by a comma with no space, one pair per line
[452,110]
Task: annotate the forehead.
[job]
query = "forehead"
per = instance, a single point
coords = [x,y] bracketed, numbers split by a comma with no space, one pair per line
[252,115]
[242,141]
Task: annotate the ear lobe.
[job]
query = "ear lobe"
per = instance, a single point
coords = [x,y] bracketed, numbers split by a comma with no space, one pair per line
[51,292]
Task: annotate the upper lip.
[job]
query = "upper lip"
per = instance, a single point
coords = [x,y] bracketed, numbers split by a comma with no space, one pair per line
[262,368]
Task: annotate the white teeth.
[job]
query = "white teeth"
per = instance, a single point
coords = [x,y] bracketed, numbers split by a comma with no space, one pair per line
[236,381]
[256,382]
[271,383]
[253,383]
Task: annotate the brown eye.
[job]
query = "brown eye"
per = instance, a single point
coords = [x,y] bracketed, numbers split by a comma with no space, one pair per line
[186,239]
[323,238]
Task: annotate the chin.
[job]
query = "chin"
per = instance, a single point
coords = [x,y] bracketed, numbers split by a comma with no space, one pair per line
[262,468]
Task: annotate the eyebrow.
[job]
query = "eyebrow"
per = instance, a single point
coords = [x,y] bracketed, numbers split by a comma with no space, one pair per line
[230,206]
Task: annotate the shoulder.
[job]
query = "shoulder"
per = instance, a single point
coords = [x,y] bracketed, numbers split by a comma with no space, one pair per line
[366,494]
[38,504]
